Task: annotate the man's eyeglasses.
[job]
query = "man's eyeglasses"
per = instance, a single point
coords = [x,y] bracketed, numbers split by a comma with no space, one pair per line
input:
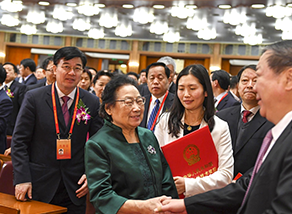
[76,69]
[50,70]
[130,101]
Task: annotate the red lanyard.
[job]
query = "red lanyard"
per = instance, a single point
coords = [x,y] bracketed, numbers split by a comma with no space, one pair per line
[222,98]
[55,112]
[154,122]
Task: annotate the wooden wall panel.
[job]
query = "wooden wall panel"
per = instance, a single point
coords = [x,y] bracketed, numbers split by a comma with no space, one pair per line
[225,65]
[16,54]
[93,62]
[193,61]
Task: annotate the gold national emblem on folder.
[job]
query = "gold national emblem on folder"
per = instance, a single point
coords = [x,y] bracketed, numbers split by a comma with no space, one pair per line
[191,154]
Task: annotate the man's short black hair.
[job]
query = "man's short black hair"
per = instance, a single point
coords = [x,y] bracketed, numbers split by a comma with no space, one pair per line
[28,63]
[222,77]
[69,52]
[155,64]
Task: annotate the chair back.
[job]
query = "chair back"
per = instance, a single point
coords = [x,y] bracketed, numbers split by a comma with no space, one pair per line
[6,178]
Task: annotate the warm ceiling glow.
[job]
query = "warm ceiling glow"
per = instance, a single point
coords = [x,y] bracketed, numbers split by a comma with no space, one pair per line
[191,6]
[2,54]
[100,5]
[224,6]
[258,6]
[128,6]
[158,6]
[133,64]
[44,3]
[71,4]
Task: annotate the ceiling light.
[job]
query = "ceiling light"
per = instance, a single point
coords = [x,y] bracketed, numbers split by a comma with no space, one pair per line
[124,28]
[128,6]
[158,6]
[278,11]
[61,13]
[196,23]
[123,65]
[258,6]
[253,39]
[234,16]
[224,6]
[54,26]
[158,27]
[44,3]
[10,20]
[207,33]
[191,6]
[134,64]
[81,24]
[181,12]
[100,5]
[171,36]
[96,33]
[109,18]
[28,29]
[287,35]
[11,6]
[71,4]
[143,15]
[88,9]
[35,15]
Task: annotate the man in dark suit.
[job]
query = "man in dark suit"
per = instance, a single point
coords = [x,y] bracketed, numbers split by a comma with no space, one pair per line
[5,110]
[50,78]
[15,91]
[158,80]
[50,134]
[268,188]
[26,69]
[220,82]
[247,127]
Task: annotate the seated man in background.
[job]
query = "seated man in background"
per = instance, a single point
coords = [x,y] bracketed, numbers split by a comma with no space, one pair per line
[247,127]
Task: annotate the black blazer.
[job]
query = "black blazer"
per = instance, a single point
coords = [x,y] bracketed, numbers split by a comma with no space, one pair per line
[40,83]
[270,191]
[226,102]
[167,104]
[30,81]
[246,146]
[5,112]
[18,91]
[34,144]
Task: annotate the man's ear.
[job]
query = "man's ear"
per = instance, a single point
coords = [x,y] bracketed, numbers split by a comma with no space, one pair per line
[288,79]
[54,69]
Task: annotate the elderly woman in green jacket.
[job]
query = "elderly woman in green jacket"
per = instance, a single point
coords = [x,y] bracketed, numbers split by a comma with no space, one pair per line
[124,165]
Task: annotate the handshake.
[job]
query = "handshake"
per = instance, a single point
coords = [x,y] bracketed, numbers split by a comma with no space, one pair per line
[166,205]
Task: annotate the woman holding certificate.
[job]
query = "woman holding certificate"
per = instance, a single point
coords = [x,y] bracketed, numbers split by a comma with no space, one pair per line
[124,165]
[192,109]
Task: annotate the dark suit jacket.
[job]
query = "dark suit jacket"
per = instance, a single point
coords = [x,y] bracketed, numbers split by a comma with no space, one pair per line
[226,102]
[5,112]
[30,81]
[143,89]
[18,91]
[270,191]
[172,88]
[34,144]
[167,104]
[247,145]
[40,83]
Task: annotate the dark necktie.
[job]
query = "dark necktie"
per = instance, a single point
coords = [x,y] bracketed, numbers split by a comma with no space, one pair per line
[65,109]
[153,115]
[265,145]
[245,116]
[5,87]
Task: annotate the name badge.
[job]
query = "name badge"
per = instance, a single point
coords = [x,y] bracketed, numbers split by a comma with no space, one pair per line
[63,149]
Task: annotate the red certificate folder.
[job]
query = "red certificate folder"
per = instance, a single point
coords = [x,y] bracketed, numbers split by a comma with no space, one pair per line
[193,155]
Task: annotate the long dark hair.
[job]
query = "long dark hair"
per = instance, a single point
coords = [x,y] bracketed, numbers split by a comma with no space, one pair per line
[177,110]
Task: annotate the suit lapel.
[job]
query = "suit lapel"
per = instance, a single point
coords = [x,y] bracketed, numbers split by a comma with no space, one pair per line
[253,127]
[233,122]
[146,109]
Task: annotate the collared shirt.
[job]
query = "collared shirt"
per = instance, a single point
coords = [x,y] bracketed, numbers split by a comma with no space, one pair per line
[1,87]
[218,98]
[278,129]
[235,97]
[61,94]
[152,104]
[253,111]
[8,84]
[27,77]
